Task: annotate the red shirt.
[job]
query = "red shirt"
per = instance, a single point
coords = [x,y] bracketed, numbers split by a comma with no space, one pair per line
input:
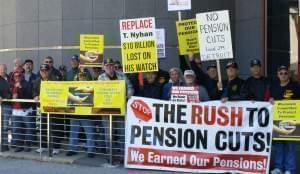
[16,105]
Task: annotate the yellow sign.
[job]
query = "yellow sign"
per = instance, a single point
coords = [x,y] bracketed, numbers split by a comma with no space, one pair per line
[187,36]
[92,42]
[286,116]
[83,97]
[138,43]
[139,56]
[91,49]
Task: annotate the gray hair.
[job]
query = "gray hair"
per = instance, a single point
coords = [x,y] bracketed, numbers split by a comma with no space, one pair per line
[178,71]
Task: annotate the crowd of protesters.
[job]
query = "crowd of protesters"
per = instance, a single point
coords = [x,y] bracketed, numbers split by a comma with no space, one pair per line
[23,83]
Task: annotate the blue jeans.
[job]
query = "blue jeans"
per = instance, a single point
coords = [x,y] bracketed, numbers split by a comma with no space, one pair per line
[285,156]
[23,129]
[118,133]
[100,135]
[6,115]
[89,130]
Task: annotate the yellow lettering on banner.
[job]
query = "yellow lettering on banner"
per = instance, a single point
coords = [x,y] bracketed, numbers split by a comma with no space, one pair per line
[83,98]
[92,43]
[139,56]
[187,36]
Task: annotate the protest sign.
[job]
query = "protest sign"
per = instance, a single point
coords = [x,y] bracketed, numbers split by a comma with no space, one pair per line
[138,43]
[91,49]
[83,97]
[177,5]
[161,43]
[185,94]
[187,36]
[214,35]
[286,117]
[210,137]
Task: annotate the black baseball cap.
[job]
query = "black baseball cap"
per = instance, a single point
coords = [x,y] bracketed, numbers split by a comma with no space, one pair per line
[62,68]
[109,61]
[232,64]
[254,62]
[282,67]
[28,61]
[211,66]
[117,62]
[44,67]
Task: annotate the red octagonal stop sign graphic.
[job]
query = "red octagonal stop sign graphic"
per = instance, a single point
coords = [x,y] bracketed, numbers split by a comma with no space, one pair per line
[141,110]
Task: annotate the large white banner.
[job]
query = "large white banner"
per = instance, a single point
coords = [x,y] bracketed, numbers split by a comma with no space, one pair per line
[209,137]
[214,35]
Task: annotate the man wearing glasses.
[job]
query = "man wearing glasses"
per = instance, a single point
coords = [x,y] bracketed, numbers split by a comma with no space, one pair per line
[285,151]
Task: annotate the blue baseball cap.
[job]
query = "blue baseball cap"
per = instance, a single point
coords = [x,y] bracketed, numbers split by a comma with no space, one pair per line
[255,62]
[75,57]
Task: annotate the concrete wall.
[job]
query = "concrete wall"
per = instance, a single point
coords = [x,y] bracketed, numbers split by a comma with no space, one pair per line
[249,34]
[47,23]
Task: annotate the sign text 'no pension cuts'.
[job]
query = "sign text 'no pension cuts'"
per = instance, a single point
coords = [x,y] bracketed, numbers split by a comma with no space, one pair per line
[214,35]
[200,137]
[138,43]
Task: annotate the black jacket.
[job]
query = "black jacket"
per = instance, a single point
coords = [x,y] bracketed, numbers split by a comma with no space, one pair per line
[289,92]
[201,76]
[4,89]
[36,86]
[232,89]
[212,88]
[150,90]
[256,89]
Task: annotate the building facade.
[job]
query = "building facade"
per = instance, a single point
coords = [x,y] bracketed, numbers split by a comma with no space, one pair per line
[39,28]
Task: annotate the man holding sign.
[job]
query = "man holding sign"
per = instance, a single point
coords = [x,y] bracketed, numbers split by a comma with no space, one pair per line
[285,151]
[215,37]
[118,124]
[209,80]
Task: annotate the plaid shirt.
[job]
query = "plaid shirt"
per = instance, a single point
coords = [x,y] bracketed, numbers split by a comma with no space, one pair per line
[120,76]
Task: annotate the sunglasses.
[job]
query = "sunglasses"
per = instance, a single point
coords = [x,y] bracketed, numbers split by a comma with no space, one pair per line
[48,61]
[283,73]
